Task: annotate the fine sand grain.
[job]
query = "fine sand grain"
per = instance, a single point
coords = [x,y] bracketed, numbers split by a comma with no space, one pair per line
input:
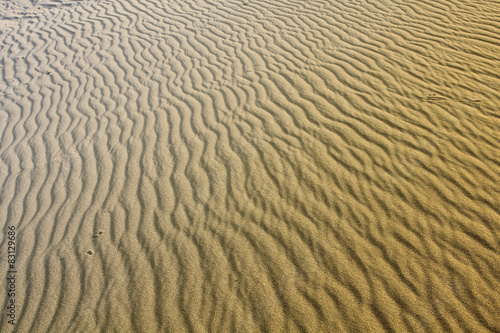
[251,166]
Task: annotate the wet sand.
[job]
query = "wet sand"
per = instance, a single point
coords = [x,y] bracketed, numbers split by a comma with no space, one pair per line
[250,166]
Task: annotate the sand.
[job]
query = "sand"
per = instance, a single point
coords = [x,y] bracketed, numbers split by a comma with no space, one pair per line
[250,166]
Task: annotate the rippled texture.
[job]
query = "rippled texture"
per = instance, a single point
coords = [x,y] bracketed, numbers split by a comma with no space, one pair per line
[244,166]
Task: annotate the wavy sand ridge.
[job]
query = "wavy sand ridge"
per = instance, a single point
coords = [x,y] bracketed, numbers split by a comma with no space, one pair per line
[230,166]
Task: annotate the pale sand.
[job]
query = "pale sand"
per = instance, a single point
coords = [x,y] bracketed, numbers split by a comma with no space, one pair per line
[246,166]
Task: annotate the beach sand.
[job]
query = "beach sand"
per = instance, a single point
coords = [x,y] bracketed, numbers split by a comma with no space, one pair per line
[250,166]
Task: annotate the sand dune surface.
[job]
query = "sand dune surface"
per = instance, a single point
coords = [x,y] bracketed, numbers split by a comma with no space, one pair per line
[250,166]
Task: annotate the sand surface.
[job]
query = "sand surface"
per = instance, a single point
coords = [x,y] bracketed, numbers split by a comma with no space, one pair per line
[250,166]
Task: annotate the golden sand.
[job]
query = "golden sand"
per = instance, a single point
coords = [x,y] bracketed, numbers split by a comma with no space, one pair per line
[250,166]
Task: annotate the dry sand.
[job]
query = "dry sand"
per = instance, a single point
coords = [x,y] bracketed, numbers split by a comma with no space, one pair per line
[251,166]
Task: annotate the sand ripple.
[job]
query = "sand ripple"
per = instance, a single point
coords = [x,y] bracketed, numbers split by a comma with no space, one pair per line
[244,166]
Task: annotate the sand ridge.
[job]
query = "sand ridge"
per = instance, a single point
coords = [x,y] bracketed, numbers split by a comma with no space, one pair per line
[246,166]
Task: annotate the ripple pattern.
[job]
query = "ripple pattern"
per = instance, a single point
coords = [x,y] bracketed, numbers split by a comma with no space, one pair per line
[251,166]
